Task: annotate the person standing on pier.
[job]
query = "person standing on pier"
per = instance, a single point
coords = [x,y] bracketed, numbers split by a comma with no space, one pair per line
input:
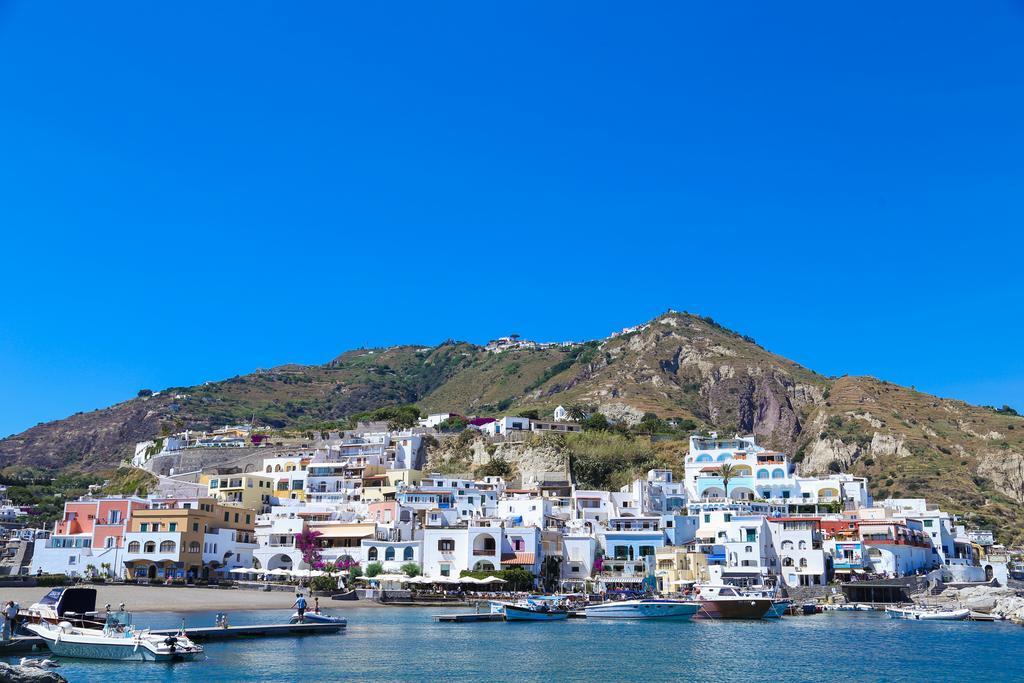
[300,606]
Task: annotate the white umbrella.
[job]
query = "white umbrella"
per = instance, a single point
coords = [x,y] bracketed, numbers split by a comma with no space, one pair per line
[492,579]
[470,579]
[394,578]
[243,570]
[278,572]
[444,579]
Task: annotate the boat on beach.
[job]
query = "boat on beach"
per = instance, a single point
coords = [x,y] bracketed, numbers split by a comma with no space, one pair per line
[642,609]
[719,601]
[919,613]
[119,639]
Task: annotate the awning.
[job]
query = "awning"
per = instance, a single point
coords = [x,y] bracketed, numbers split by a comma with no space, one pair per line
[622,579]
[517,558]
[345,532]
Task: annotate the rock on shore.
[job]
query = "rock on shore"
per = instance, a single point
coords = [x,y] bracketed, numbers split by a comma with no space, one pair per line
[29,674]
[1006,603]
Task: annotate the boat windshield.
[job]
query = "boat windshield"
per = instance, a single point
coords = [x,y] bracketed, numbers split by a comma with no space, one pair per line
[118,621]
[52,597]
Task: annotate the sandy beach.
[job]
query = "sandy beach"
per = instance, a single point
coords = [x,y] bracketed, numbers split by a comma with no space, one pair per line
[178,599]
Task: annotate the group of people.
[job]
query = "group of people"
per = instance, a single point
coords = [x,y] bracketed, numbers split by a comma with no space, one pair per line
[300,606]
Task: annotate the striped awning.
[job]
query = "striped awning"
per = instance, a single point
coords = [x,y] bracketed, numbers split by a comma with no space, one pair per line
[517,558]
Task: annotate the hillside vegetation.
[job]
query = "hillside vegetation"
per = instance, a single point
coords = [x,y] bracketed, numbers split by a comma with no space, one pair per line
[969,459]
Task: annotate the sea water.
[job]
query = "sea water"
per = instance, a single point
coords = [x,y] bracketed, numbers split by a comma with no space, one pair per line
[405,643]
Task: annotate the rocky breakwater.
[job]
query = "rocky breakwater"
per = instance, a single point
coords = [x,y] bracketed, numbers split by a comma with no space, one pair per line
[998,601]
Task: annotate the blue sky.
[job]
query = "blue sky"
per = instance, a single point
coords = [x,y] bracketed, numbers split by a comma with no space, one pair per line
[188,192]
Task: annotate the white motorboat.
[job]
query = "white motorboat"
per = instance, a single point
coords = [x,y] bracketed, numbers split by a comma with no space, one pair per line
[118,639]
[642,609]
[74,604]
[316,618]
[928,613]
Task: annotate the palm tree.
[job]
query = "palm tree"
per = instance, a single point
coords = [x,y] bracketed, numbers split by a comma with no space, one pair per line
[576,413]
[727,472]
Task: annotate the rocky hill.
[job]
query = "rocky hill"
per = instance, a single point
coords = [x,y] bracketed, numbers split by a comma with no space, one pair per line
[969,459]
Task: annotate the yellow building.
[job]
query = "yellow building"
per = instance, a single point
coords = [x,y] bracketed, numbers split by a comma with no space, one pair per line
[178,539]
[252,491]
[380,483]
[677,564]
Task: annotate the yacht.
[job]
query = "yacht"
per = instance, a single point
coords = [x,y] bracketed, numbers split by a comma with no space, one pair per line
[780,605]
[642,609]
[72,604]
[118,640]
[718,601]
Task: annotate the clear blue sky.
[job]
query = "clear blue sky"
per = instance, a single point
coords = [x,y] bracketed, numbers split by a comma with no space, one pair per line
[189,191]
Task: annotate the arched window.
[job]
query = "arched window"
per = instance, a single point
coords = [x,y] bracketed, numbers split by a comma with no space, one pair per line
[787,562]
[277,468]
[167,546]
[762,474]
[193,547]
[803,561]
[703,457]
[407,553]
[483,566]
[371,554]
[778,474]
[110,541]
[133,547]
[802,545]
[269,469]
[389,555]
[723,457]
[150,547]
[749,549]
[787,545]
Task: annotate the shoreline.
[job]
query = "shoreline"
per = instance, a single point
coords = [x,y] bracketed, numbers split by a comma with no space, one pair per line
[181,598]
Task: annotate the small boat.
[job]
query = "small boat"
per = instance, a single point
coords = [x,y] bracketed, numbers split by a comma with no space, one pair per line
[117,640]
[718,601]
[315,618]
[73,604]
[928,613]
[347,595]
[642,609]
[528,611]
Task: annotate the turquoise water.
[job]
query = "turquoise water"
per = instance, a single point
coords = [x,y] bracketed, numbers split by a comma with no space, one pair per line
[403,643]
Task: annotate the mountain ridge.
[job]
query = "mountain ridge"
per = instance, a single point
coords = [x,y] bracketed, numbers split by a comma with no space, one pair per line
[969,459]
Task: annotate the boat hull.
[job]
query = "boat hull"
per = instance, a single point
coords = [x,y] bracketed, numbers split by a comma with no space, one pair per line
[778,609]
[514,613]
[65,647]
[925,615]
[745,608]
[314,618]
[642,609]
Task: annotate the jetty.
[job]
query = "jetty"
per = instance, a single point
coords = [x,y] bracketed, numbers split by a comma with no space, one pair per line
[469,617]
[208,633]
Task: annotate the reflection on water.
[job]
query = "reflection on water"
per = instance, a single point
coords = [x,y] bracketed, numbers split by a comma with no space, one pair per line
[402,643]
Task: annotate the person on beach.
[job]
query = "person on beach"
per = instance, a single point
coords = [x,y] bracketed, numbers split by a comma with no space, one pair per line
[300,606]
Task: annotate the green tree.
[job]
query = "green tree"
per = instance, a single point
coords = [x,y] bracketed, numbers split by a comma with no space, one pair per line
[145,392]
[373,569]
[497,467]
[531,414]
[411,569]
[596,422]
